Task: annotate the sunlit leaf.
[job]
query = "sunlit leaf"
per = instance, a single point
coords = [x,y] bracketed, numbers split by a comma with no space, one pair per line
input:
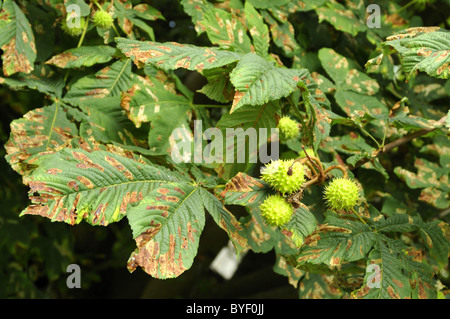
[74,185]
[167,225]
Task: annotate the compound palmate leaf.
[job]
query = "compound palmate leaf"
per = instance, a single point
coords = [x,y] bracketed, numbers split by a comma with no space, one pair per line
[166,226]
[73,184]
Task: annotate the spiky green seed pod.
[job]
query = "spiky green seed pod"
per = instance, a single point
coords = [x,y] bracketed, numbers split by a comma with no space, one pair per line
[276,211]
[283,176]
[341,193]
[73,30]
[102,19]
[288,128]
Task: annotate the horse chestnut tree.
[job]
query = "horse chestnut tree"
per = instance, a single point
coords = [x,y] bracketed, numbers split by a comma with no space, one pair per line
[358,178]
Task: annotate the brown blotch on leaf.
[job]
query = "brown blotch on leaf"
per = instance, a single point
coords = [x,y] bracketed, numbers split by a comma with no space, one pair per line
[85,181]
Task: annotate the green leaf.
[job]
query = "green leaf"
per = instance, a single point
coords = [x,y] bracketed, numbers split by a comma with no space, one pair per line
[337,241]
[317,106]
[261,237]
[146,12]
[152,101]
[16,40]
[258,81]
[41,130]
[432,178]
[226,30]
[83,56]
[396,223]
[245,190]
[258,30]
[219,87]
[110,81]
[167,225]
[433,235]
[318,286]
[393,282]
[345,73]
[73,184]
[282,33]
[83,6]
[104,121]
[342,18]
[356,105]
[304,5]
[403,119]
[284,268]
[422,48]
[250,130]
[128,17]
[171,56]
[267,4]
[302,223]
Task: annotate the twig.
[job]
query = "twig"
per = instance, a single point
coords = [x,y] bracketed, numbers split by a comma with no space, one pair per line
[403,140]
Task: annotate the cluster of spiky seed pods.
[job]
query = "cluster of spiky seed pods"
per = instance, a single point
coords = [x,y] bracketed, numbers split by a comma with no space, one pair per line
[289,176]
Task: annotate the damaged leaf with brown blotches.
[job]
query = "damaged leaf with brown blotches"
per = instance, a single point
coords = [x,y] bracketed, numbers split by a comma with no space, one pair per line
[166,226]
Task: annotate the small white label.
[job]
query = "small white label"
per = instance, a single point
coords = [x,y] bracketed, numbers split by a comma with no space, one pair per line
[226,262]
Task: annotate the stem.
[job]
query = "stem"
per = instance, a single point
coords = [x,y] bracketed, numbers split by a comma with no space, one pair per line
[359,216]
[83,34]
[405,139]
[370,135]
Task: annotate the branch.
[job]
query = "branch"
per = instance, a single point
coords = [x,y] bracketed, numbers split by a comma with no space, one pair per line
[397,143]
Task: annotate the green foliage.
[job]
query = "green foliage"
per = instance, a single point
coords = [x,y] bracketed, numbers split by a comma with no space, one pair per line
[371,104]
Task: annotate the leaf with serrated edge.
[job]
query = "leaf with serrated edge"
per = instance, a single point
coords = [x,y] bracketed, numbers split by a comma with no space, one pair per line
[245,190]
[337,241]
[83,56]
[40,130]
[422,48]
[172,55]
[257,81]
[166,226]
[109,81]
[73,184]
